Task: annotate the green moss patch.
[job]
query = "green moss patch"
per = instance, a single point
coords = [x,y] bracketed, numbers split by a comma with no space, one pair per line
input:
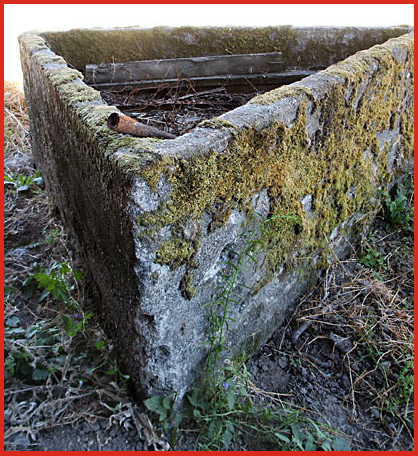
[174,252]
[340,168]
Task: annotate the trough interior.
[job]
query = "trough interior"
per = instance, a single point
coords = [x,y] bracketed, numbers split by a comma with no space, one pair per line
[177,108]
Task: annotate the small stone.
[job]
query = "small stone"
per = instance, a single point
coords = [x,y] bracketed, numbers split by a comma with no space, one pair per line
[283,362]
[375,413]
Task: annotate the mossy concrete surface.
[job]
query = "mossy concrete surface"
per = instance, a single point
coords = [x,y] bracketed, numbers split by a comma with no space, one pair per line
[160,222]
[302,47]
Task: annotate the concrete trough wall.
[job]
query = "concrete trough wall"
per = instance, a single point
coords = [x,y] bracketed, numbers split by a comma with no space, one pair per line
[162,224]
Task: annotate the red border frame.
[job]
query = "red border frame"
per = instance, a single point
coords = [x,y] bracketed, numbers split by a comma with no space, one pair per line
[2,226]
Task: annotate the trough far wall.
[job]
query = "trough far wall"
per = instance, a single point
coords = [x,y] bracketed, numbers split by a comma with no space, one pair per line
[302,47]
[157,221]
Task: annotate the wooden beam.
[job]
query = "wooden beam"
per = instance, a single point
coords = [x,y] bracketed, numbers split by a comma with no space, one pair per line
[243,83]
[190,68]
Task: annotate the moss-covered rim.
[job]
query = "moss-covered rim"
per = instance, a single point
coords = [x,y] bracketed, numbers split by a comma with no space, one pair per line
[301,46]
[340,170]
[136,152]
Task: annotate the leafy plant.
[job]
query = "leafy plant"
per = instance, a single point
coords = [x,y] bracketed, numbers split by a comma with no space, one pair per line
[59,282]
[228,412]
[120,376]
[56,280]
[168,418]
[33,352]
[26,349]
[226,295]
[372,259]
[22,183]
[232,414]
[397,208]
[72,326]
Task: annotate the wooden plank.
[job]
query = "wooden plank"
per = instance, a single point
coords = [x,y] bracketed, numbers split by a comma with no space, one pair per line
[230,82]
[192,67]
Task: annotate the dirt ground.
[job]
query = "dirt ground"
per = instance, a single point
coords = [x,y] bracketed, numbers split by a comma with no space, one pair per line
[344,357]
[317,358]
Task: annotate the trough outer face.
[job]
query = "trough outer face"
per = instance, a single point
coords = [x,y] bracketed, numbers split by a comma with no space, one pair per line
[162,223]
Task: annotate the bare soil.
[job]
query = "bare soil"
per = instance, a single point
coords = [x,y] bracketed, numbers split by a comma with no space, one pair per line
[338,358]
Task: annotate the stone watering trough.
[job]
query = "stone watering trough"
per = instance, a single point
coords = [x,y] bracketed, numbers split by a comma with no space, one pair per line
[240,211]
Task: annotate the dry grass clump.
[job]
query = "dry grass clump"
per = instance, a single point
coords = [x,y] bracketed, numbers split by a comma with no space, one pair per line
[14,101]
[15,114]
[369,320]
[16,130]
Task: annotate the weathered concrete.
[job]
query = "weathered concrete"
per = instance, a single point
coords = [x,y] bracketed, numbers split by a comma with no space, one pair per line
[156,220]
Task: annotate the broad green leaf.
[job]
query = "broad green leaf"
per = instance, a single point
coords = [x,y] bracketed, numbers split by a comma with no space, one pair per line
[99,345]
[78,274]
[13,321]
[309,444]
[340,444]
[44,294]
[40,374]
[326,446]
[197,414]
[153,403]
[8,290]
[64,268]
[70,325]
[193,399]
[167,403]
[282,437]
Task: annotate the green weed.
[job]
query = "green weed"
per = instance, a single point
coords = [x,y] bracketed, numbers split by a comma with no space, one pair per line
[59,281]
[34,352]
[223,408]
[53,237]
[226,296]
[23,183]
[27,353]
[232,417]
[167,417]
[398,210]
[373,259]
[402,389]
[39,352]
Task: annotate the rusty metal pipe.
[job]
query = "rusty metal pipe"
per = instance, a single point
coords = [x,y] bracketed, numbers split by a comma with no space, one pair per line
[126,125]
